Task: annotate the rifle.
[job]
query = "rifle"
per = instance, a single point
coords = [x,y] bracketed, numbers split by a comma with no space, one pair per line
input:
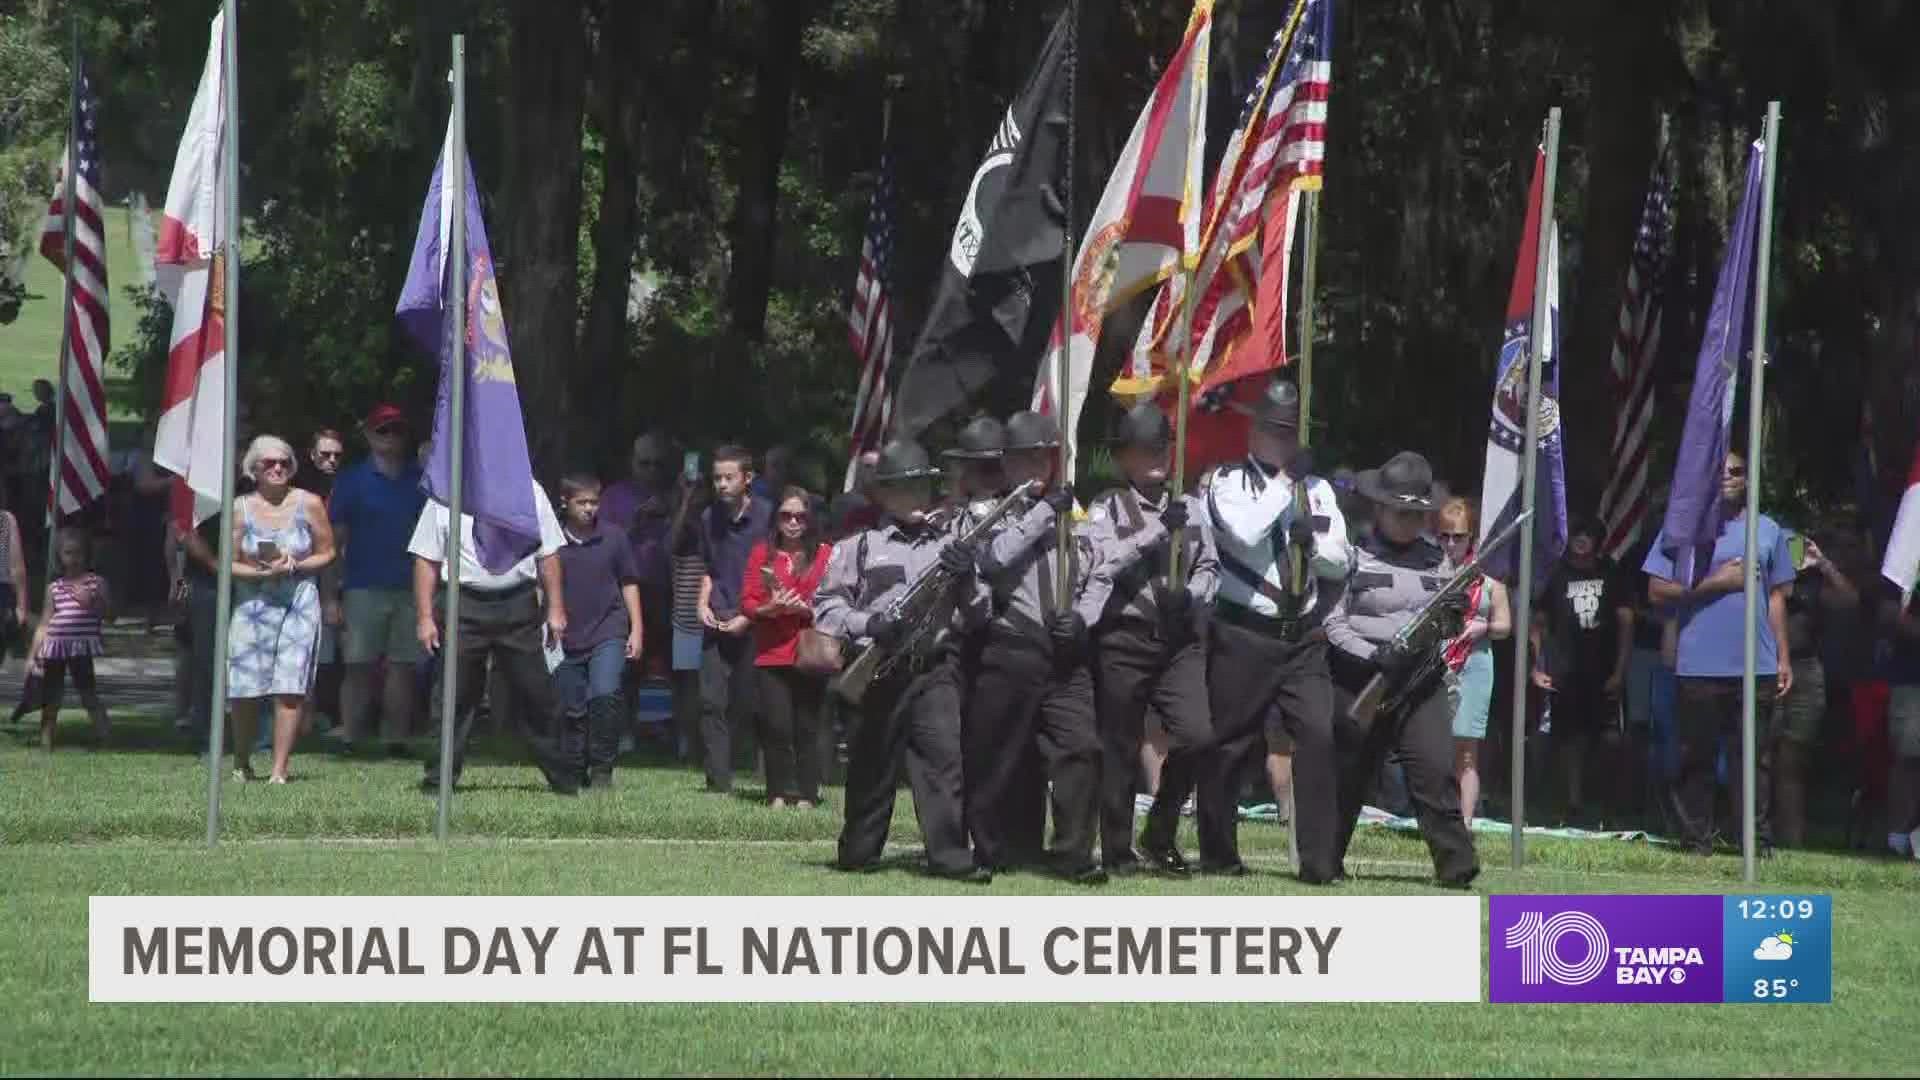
[1422,634]
[923,608]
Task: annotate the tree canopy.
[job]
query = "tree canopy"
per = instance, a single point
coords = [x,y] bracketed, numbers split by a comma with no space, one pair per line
[676,192]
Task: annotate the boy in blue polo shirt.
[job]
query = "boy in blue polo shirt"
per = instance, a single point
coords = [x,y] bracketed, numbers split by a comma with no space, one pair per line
[600,586]
[1711,659]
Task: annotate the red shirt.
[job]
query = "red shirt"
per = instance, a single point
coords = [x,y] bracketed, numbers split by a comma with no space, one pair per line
[774,636]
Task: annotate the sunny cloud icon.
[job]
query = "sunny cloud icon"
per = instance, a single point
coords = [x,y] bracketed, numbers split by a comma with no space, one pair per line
[1775,948]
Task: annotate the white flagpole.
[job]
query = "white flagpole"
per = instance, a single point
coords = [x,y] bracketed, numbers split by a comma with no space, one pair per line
[1756,601]
[1538,343]
[229,419]
[71,192]
[454,172]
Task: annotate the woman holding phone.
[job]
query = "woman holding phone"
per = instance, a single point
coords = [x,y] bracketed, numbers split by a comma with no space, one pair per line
[783,571]
[281,541]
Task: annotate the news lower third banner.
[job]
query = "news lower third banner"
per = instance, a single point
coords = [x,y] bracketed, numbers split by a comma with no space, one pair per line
[1763,949]
[783,948]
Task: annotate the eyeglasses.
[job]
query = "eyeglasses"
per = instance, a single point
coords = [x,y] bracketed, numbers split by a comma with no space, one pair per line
[792,515]
[1455,538]
[270,464]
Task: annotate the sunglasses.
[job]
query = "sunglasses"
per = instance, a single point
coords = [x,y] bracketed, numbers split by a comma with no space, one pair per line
[270,464]
[1455,538]
[1735,471]
[790,515]
[389,430]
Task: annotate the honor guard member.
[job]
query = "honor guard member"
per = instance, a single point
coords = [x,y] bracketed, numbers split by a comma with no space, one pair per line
[1034,687]
[1396,569]
[1148,647]
[916,705]
[1268,653]
[975,476]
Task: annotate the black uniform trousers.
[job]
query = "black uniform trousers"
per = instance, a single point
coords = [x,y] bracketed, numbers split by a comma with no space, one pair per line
[1420,735]
[1023,698]
[1251,669]
[506,626]
[1707,712]
[915,715]
[1139,672]
[1023,806]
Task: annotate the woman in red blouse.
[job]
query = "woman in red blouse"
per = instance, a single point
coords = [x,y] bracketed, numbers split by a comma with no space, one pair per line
[782,573]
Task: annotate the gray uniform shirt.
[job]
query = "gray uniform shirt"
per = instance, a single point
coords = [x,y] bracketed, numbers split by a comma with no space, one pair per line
[869,570]
[1137,551]
[1382,596]
[1019,564]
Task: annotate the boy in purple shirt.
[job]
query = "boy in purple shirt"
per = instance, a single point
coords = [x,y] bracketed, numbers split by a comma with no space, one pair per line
[600,586]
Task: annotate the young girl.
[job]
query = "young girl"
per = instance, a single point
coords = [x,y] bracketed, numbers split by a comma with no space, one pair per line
[68,639]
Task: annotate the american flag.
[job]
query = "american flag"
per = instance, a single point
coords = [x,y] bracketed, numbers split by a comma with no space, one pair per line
[870,323]
[1278,149]
[82,461]
[1623,506]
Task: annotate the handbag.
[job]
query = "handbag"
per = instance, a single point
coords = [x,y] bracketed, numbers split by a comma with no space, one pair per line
[817,653]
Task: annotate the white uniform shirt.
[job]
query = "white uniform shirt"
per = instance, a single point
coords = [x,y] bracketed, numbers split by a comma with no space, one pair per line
[430,543]
[1252,509]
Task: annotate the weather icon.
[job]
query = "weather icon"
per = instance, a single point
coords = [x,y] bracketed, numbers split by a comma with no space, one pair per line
[1777,947]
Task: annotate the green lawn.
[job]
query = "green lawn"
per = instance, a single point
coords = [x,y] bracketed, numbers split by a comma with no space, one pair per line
[30,346]
[127,819]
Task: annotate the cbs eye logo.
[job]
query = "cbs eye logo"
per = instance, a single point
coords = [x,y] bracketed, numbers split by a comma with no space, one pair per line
[1538,940]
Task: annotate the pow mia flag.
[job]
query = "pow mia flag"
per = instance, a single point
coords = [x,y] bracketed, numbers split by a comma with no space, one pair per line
[1000,287]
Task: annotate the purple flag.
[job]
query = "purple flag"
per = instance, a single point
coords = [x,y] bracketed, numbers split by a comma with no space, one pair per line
[1695,512]
[498,490]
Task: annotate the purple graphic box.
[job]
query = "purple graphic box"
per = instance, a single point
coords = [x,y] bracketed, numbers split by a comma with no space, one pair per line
[1628,949]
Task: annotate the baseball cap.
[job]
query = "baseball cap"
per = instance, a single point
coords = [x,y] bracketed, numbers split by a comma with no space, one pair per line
[385,413]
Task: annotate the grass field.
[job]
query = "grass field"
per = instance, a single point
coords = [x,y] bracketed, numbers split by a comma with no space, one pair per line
[30,346]
[128,820]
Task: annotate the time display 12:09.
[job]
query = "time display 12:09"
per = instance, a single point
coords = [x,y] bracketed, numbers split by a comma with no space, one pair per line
[1783,908]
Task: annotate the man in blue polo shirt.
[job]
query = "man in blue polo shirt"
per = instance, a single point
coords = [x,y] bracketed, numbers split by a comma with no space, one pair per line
[1711,659]
[729,528]
[375,505]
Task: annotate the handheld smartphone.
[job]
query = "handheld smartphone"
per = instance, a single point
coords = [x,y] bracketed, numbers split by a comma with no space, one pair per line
[1797,550]
[690,466]
[269,552]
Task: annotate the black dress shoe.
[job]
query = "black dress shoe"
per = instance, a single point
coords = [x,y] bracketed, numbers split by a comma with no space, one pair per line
[1090,874]
[867,867]
[1167,861]
[1236,868]
[1121,863]
[971,875]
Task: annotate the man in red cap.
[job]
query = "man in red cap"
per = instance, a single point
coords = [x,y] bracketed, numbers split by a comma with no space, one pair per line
[375,505]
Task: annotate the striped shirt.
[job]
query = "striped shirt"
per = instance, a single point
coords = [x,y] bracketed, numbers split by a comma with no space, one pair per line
[688,572]
[74,629]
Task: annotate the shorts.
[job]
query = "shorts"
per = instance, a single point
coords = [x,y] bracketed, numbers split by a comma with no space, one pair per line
[585,676]
[379,622]
[687,647]
[1806,704]
[1582,707]
[329,644]
[1278,741]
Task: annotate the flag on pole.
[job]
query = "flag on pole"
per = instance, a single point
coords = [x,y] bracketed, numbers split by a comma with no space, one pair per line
[498,483]
[189,267]
[83,457]
[1501,496]
[1000,287]
[1147,221]
[870,324]
[1636,346]
[1695,511]
[1901,564]
[1278,150]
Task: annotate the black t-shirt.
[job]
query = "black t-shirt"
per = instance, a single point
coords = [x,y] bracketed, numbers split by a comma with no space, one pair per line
[1582,613]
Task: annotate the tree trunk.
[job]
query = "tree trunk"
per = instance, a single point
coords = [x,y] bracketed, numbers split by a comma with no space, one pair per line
[540,269]
[603,346]
[750,277]
[1620,139]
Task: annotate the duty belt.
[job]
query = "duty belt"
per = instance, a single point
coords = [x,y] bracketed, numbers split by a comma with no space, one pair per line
[1287,629]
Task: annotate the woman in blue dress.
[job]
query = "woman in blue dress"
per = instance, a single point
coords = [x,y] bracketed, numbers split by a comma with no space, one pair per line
[281,541]
[1470,656]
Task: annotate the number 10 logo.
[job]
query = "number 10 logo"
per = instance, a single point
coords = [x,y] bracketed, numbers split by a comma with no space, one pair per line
[1538,940]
